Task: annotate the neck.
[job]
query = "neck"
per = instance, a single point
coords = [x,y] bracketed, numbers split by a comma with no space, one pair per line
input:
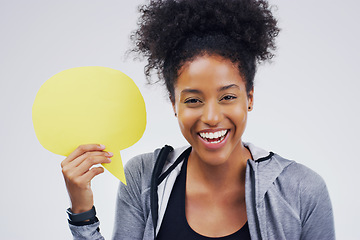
[229,174]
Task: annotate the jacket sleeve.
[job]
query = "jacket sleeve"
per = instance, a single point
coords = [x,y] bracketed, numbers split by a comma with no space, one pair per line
[88,232]
[130,215]
[316,210]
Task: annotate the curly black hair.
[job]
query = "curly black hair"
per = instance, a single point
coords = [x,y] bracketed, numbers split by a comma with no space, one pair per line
[173,32]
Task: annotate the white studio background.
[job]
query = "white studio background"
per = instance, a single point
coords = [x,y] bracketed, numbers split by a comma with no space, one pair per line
[306,102]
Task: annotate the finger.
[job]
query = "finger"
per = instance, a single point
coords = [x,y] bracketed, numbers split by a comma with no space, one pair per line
[88,163]
[81,150]
[89,175]
[76,162]
[83,163]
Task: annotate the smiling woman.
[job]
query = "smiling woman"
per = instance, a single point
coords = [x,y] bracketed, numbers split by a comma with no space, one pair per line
[219,187]
[211,103]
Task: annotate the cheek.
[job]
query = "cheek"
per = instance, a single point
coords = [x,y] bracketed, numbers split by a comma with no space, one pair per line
[187,121]
[238,116]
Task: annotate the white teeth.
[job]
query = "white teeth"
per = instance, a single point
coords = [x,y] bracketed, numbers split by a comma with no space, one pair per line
[211,135]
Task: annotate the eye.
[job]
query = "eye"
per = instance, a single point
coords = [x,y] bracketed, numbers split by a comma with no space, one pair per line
[228,98]
[192,102]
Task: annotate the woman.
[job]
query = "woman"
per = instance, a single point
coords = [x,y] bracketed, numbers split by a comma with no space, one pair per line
[220,187]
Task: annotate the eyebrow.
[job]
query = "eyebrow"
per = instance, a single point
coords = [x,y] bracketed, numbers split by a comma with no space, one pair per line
[227,87]
[189,90]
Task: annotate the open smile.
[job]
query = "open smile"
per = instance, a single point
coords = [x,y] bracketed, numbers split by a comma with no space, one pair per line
[214,137]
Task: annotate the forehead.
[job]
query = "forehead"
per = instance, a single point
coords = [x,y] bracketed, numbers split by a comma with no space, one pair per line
[208,72]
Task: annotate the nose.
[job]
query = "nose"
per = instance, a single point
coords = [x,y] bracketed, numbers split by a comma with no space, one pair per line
[212,114]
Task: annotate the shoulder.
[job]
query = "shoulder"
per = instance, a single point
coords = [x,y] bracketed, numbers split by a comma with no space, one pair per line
[295,190]
[306,191]
[288,178]
[297,174]
[142,162]
[139,168]
[275,169]
[301,187]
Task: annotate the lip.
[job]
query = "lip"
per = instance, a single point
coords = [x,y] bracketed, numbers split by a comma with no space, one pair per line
[214,146]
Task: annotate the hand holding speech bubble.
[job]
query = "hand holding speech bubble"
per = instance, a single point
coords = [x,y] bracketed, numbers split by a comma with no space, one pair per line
[87,105]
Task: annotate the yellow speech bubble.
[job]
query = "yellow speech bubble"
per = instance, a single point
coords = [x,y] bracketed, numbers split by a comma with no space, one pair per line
[89,105]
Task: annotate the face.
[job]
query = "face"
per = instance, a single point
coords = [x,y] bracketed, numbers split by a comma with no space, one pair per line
[211,104]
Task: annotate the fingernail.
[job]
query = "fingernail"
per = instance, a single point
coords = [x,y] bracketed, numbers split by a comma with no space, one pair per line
[109,159]
[102,146]
[110,154]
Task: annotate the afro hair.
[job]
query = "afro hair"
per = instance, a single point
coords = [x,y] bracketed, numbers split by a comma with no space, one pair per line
[172,32]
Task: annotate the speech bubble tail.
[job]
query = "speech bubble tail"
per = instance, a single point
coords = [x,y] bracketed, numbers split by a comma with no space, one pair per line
[116,167]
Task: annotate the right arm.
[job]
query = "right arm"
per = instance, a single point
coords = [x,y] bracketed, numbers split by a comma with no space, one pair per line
[78,171]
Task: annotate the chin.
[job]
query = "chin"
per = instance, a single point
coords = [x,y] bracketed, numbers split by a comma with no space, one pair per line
[213,157]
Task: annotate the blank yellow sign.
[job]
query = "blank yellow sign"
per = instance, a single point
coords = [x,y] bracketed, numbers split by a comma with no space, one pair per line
[89,105]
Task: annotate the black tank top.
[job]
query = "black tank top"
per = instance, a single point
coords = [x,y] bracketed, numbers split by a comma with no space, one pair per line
[175,226]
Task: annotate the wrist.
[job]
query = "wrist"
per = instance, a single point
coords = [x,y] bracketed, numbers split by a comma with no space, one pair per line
[81,216]
[81,209]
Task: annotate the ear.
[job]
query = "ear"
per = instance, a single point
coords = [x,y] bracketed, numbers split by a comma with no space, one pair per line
[251,100]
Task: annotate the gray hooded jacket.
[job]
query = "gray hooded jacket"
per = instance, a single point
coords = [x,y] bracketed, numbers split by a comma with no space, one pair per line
[284,200]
